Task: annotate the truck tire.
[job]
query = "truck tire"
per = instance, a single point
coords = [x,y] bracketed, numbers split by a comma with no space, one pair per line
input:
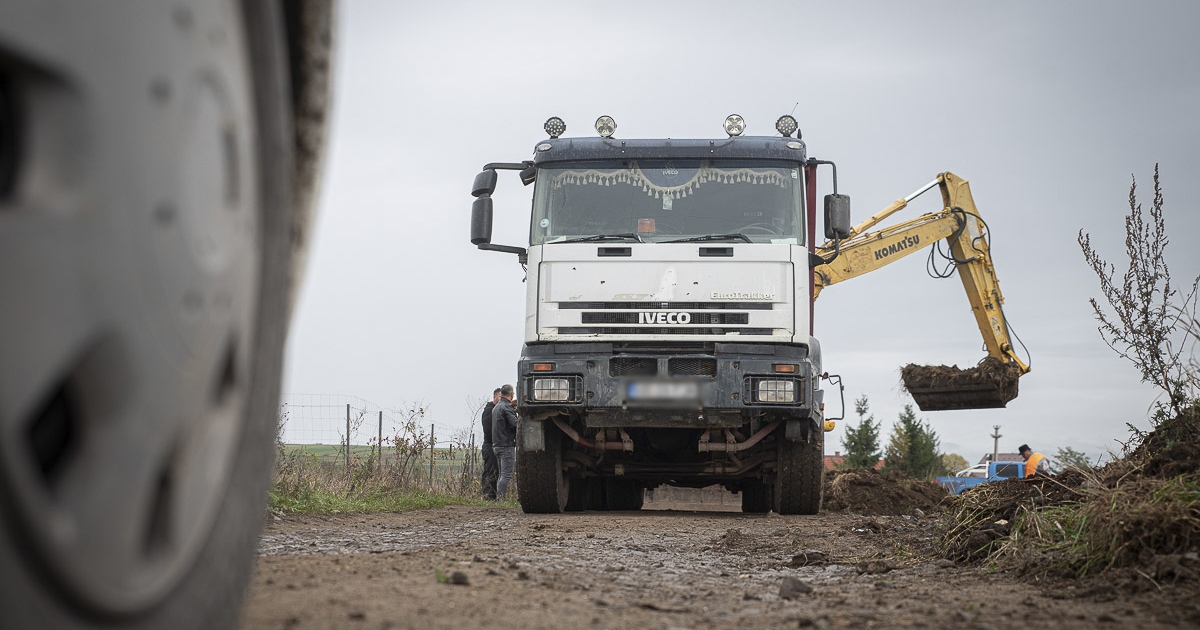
[757,497]
[136,444]
[621,494]
[800,480]
[542,488]
[585,493]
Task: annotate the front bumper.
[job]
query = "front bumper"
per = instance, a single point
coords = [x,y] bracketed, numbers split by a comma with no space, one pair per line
[716,384]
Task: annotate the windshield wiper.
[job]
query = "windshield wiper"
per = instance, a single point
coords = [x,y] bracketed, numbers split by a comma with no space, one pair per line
[604,237]
[713,237]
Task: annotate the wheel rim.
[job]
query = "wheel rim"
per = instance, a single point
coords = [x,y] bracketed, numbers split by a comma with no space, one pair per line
[131,236]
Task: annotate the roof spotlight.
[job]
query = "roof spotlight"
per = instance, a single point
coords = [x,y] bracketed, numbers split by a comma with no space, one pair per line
[734,125]
[786,125]
[555,126]
[606,126]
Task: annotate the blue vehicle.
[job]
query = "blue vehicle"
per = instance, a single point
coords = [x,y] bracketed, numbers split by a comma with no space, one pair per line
[996,471]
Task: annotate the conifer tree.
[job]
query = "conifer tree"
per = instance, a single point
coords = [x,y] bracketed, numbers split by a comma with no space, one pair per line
[861,442]
[913,447]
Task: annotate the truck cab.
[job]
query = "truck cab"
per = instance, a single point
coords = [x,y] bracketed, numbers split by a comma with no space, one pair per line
[667,337]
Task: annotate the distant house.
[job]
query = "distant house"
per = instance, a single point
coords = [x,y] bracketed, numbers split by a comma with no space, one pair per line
[835,461]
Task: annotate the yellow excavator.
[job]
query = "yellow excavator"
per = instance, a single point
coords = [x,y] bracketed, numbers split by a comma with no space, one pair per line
[991,383]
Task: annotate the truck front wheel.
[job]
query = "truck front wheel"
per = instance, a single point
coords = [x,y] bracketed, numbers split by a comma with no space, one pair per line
[541,486]
[585,493]
[623,495]
[799,484]
[757,496]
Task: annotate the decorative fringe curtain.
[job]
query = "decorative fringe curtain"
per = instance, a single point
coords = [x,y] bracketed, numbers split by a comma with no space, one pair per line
[634,177]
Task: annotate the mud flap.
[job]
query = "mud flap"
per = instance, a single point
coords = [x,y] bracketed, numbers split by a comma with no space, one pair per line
[533,435]
[798,429]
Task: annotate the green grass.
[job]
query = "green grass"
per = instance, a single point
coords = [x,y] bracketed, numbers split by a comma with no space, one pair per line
[319,501]
[312,479]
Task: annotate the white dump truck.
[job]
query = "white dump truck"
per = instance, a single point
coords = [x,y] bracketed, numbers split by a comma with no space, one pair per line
[668,336]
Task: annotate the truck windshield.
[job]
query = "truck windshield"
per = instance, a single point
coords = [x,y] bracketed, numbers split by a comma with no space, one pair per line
[658,201]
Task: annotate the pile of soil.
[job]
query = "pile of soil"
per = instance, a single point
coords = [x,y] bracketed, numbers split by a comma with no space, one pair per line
[989,385]
[871,492]
[1137,516]
[982,517]
[1172,448]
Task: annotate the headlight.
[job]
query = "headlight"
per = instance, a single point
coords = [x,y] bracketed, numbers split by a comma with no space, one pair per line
[776,391]
[551,389]
[786,125]
[555,127]
[734,125]
[606,126]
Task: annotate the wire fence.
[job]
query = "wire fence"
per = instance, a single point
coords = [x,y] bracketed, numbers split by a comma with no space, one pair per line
[348,435]
[329,418]
[349,432]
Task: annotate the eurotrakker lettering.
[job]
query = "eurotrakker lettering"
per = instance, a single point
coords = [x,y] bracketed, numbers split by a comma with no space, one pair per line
[737,295]
[903,244]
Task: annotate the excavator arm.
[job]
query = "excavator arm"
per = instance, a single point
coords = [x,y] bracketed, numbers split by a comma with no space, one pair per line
[994,381]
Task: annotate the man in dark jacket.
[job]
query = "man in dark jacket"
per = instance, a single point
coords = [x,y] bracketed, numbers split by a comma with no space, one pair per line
[504,438]
[491,470]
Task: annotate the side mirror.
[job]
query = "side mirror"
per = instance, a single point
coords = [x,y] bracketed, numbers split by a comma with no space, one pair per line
[837,216]
[481,218]
[485,184]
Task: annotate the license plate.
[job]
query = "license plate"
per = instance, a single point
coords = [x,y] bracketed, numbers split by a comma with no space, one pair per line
[664,390]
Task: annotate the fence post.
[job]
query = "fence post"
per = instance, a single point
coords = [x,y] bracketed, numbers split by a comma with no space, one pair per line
[347,438]
[432,441]
[380,439]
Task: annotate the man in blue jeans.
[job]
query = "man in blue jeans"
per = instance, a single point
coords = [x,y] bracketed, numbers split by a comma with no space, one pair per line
[504,438]
[491,470]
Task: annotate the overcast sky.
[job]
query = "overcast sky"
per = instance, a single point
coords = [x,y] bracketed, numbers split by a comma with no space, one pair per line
[1048,109]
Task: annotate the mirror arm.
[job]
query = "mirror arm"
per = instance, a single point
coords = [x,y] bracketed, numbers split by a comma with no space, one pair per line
[508,166]
[816,260]
[521,252]
[815,161]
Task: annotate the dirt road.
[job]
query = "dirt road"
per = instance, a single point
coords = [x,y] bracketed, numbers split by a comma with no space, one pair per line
[657,569]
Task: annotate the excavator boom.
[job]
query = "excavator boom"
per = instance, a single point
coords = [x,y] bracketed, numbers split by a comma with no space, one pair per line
[993,382]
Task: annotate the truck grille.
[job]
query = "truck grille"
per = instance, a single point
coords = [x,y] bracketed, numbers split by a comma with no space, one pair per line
[692,366]
[648,366]
[700,318]
[647,318]
[679,330]
[632,366]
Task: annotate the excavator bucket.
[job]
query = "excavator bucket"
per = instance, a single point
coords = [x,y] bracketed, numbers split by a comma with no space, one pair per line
[989,385]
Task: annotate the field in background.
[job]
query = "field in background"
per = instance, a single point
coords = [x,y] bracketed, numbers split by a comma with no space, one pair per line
[335,455]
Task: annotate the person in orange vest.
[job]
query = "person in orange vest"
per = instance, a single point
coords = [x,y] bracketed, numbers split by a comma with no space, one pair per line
[1034,462]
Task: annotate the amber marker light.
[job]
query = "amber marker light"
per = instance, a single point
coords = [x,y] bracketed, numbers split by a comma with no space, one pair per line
[542,367]
[789,368]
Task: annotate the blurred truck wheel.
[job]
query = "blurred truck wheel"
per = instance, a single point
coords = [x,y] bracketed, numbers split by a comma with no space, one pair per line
[148,238]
